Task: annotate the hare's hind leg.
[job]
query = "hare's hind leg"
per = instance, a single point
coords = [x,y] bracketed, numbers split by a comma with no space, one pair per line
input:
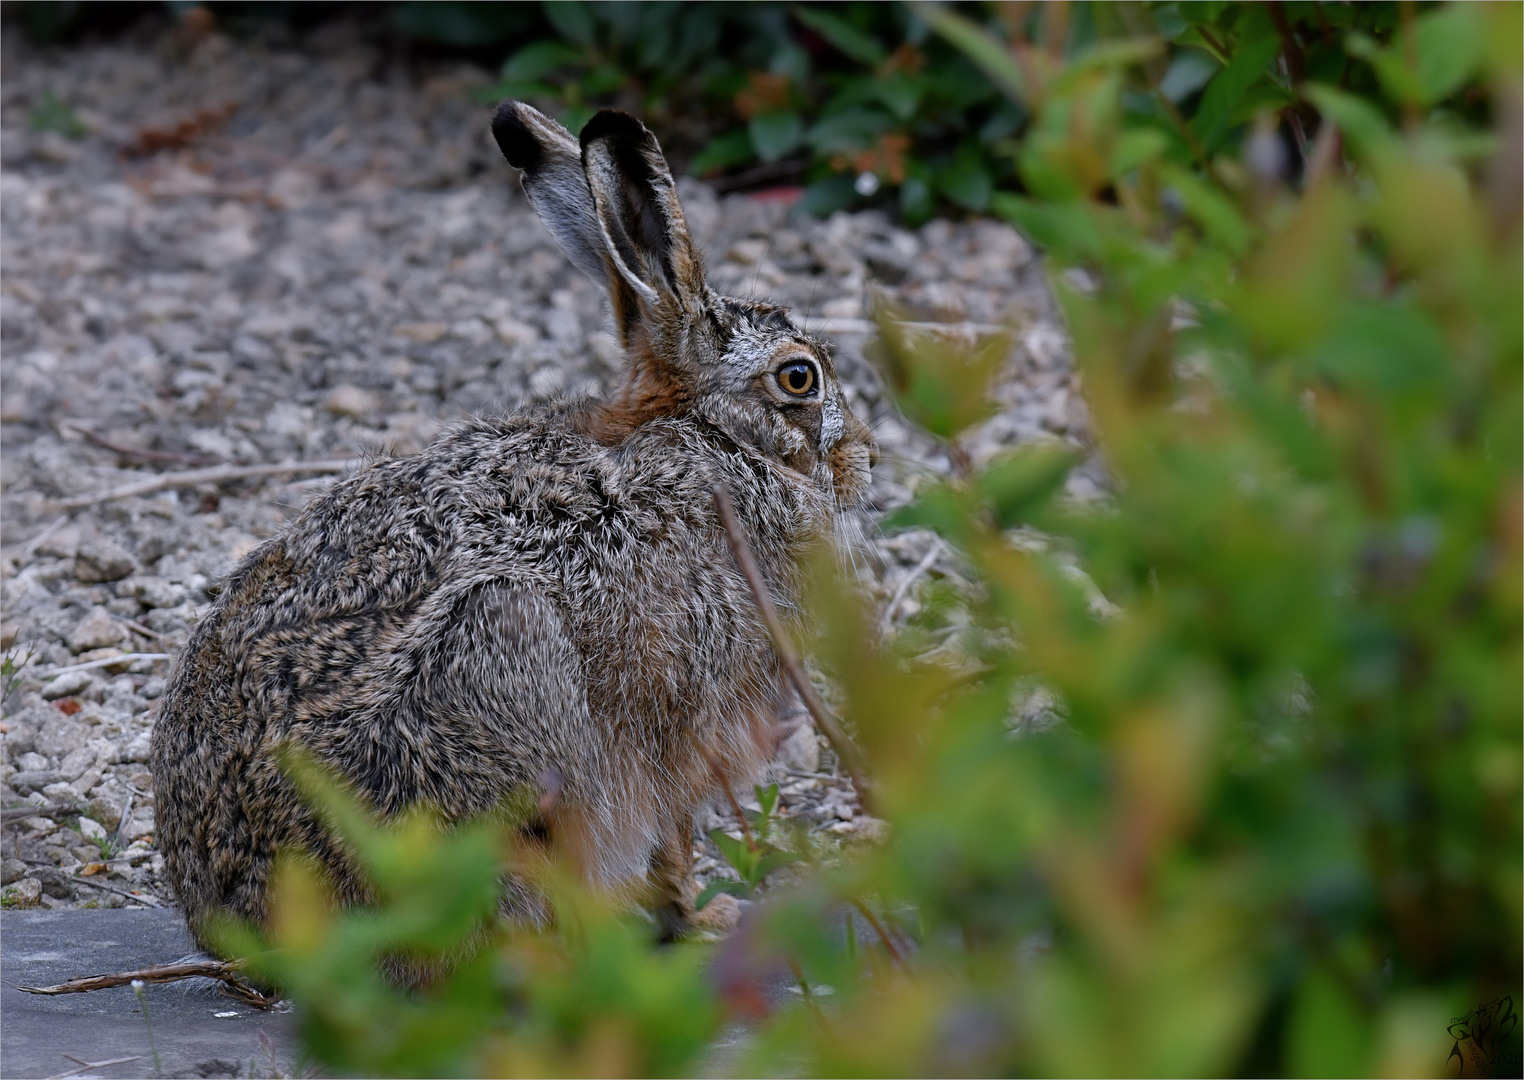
[503,694]
[671,880]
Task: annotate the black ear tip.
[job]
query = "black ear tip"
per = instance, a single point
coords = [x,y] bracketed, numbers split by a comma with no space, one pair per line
[514,139]
[613,124]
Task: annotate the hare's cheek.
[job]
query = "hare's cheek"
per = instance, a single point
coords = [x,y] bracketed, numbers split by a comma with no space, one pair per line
[851,465]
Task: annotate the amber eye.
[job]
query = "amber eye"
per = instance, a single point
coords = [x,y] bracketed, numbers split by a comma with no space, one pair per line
[797,378]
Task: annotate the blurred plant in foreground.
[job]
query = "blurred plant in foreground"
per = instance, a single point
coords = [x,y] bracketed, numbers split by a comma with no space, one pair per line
[1280,829]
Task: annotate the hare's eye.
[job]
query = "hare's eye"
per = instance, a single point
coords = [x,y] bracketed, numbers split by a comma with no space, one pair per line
[797,378]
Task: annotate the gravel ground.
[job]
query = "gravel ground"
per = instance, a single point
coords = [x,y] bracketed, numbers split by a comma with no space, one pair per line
[336,264]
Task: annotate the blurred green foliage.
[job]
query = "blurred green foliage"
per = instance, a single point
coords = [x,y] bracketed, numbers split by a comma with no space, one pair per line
[1279,828]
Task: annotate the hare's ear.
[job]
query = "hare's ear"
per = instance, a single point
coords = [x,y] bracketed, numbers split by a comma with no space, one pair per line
[646,238]
[554,181]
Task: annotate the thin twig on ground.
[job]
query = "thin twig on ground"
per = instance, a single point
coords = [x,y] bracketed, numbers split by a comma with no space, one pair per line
[192,477]
[783,644]
[86,1066]
[103,887]
[139,628]
[900,593]
[137,452]
[224,971]
[107,661]
[37,541]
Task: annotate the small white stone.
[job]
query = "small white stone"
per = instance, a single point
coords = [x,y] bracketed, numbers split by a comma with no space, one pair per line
[348,400]
[97,630]
[91,829]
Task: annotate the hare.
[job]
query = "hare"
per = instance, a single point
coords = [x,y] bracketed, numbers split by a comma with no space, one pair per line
[546,594]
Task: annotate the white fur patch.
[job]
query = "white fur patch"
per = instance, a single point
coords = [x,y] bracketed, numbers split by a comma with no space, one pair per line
[831,423]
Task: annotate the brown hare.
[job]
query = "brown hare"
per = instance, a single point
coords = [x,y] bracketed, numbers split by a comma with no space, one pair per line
[547,594]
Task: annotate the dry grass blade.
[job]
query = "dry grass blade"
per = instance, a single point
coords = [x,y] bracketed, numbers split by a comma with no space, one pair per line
[784,646]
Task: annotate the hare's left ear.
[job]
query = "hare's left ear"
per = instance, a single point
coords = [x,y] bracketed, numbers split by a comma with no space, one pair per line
[646,238]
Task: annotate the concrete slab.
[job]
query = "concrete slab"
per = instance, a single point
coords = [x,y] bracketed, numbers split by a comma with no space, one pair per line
[197,1031]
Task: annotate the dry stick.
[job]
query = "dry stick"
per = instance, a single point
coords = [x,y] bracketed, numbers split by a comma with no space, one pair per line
[134,897]
[133,451]
[107,661]
[910,579]
[784,646]
[85,1066]
[192,477]
[221,970]
[139,628]
[37,541]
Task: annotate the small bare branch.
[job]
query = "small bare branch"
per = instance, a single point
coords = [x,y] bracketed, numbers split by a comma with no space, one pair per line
[226,972]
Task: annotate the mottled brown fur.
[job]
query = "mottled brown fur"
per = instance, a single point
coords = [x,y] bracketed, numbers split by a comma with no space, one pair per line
[548,594]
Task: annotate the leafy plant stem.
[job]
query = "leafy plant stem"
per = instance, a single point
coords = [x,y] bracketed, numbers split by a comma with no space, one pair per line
[784,646]
[883,935]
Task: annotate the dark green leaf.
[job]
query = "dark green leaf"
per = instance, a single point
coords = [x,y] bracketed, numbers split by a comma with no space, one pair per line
[717,886]
[573,20]
[723,153]
[1018,486]
[535,61]
[1227,88]
[775,134]
[846,37]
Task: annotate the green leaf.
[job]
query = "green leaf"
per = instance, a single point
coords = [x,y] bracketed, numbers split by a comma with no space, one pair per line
[846,37]
[850,129]
[901,93]
[826,196]
[535,61]
[1204,204]
[1019,485]
[1227,88]
[714,888]
[1329,1033]
[731,149]
[1066,228]
[1446,50]
[776,859]
[979,45]
[742,859]
[968,180]
[775,134]
[573,20]
[1360,121]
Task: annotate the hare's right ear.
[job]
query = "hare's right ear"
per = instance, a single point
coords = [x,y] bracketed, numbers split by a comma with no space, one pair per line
[554,181]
